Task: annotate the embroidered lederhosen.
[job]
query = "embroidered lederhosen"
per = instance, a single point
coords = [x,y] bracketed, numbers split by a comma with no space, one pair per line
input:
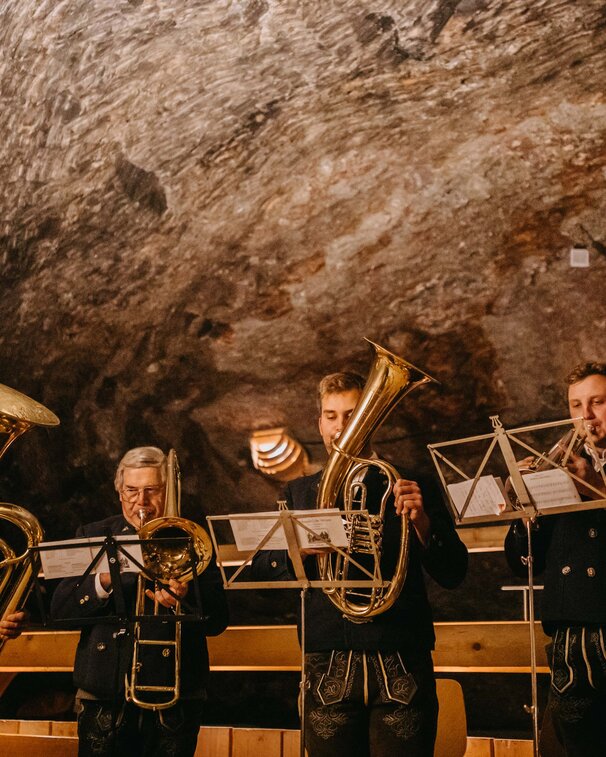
[350,688]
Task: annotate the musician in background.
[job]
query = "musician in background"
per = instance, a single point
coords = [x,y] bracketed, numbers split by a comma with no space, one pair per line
[107,724]
[372,687]
[571,551]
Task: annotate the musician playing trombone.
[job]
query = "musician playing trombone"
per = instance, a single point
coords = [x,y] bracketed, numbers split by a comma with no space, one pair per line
[570,549]
[107,724]
[372,689]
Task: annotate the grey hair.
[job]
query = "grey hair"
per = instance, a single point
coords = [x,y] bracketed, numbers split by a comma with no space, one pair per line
[141,457]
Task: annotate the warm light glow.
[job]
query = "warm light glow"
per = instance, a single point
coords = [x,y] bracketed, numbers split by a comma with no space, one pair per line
[275,453]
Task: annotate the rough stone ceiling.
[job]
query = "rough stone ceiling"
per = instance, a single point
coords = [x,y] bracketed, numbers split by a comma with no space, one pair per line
[207,205]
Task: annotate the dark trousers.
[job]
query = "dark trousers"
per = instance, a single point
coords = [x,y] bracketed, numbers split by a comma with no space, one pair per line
[105,730]
[576,706]
[370,704]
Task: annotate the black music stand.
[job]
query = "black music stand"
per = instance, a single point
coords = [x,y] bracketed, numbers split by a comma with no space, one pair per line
[293,523]
[477,506]
[116,551]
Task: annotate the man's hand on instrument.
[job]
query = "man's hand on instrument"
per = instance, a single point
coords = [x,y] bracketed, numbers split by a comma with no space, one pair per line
[408,500]
[527,463]
[583,468]
[12,626]
[164,598]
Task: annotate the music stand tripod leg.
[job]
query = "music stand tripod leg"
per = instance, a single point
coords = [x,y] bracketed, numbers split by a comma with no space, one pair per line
[304,684]
[533,709]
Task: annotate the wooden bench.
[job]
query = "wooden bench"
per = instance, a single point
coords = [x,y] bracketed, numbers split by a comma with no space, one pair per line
[22,738]
[493,647]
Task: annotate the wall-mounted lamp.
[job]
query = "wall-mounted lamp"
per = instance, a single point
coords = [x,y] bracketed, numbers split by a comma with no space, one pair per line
[275,453]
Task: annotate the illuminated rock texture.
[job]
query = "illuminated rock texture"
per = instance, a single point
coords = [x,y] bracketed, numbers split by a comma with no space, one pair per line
[207,205]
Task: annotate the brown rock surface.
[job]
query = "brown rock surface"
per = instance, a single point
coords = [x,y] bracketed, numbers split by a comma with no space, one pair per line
[206,206]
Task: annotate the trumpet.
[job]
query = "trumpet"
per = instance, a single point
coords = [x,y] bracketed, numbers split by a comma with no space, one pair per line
[570,444]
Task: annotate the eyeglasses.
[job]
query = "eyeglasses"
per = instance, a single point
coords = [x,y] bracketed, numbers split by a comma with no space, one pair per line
[131,493]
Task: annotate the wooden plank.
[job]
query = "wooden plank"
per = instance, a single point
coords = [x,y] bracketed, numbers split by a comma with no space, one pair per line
[35,727]
[496,647]
[291,743]
[484,539]
[451,738]
[479,747]
[256,648]
[512,748]
[64,728]
[214,742]
[40,652]
[18,745]
[9,726]
[252,742]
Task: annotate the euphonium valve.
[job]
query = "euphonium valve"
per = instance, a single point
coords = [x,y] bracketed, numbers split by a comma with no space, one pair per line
[390,379]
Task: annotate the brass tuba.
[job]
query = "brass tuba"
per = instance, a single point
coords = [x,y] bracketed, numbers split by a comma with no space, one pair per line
[389,380]
[18,413]
[164,559]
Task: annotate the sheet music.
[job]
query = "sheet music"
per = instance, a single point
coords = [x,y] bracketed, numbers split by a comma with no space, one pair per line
[551,488]
[327,527]
[488,497]
[66,560]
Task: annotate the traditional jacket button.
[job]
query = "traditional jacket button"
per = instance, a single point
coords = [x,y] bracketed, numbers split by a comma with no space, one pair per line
[274,564]
[101,646]
[566,569]
[593,532]
[591,572]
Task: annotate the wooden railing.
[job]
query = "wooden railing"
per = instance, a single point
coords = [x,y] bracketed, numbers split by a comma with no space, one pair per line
[495,647]
[491,647]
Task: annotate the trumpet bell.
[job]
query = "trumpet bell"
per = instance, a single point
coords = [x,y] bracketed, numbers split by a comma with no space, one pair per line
[166,548]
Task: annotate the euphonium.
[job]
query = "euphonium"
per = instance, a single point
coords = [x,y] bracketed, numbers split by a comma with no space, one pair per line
[389,380]
[19,413]
[164,559]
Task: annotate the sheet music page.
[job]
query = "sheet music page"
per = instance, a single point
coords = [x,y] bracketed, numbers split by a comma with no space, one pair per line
[327,526]
[488,497]
[71,557]
[250,532]
[551,488]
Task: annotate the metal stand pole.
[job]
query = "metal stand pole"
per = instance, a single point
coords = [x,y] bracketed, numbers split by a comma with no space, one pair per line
[304,683]
[532,709]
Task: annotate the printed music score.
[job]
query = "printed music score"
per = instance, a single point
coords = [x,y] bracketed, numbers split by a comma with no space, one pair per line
[488,496]
[551,488]
[323,528]
[71,557]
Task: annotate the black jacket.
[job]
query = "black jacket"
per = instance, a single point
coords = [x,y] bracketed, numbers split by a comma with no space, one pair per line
[570,550]
[408,624]
[102,658]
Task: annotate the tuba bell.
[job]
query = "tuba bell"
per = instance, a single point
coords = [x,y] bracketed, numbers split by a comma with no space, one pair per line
[19,413]
[167,545]
[389,380]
